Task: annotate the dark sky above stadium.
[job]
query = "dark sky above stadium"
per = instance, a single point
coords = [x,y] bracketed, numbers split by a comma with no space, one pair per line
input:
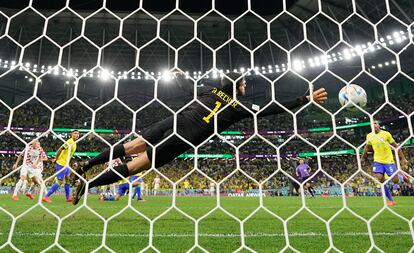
[230,7]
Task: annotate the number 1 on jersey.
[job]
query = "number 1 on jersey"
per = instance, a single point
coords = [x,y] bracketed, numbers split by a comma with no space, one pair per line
[207,118]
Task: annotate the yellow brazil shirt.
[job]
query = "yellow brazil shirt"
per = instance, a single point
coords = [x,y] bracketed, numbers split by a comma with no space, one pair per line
[123,181]
[68,149]
[381,145]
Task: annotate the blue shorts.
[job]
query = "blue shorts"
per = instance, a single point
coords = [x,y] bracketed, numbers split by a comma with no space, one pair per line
[122,189]
[382,168]
[62,172]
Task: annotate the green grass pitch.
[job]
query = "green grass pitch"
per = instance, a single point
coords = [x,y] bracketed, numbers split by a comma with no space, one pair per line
[218,232]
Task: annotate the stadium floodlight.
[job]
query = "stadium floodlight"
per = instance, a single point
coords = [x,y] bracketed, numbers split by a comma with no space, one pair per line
[166,75]
[311,63]
[105,75]
[323,60]
[347,55]
[380,65]
[396,35]
[358,49]
[297,65]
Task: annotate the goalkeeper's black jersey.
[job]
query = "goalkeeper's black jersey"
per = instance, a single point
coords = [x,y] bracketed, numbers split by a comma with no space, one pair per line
[196,123]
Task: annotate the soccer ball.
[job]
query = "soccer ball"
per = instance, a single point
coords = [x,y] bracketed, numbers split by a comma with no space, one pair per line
[354,93]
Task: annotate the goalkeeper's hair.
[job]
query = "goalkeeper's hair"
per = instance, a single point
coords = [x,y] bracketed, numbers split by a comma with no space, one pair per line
[228,79]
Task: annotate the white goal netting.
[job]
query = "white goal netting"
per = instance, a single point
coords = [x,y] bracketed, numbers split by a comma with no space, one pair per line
[106,72]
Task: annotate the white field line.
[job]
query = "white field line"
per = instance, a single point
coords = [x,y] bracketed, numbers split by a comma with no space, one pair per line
[299,234]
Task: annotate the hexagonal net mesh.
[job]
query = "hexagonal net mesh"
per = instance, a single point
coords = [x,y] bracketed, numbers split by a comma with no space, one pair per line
[290,174]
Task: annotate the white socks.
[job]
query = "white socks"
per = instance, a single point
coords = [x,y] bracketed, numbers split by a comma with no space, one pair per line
[19,186]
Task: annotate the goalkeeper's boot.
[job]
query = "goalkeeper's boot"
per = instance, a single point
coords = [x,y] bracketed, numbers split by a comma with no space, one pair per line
[80,190]
[79,169]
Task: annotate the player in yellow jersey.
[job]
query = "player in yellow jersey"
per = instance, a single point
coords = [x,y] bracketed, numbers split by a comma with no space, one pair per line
[63,156]
[380,142]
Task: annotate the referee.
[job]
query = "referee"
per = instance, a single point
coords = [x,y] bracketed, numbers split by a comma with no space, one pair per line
[195,124]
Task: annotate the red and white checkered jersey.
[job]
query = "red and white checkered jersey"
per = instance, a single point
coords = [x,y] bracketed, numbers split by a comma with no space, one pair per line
[32,156]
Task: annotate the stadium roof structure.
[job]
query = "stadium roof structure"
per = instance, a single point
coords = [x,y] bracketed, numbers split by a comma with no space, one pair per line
[250,31]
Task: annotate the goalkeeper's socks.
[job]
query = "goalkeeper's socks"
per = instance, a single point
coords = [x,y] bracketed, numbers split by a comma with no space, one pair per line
[119,151]
[110,176]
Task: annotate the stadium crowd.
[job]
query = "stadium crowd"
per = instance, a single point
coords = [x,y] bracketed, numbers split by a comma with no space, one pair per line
[276,129]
